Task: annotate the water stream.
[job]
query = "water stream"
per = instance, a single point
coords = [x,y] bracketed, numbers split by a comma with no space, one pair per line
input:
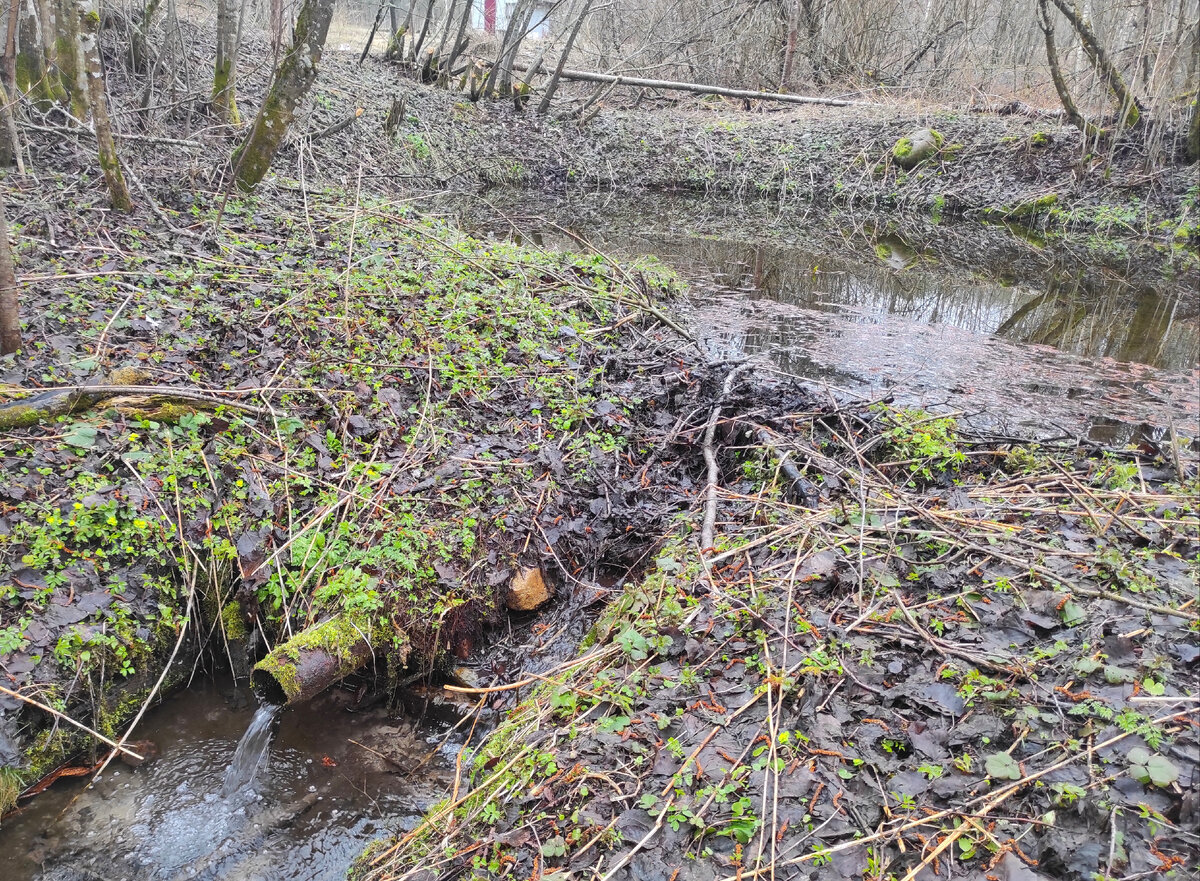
[337,780]
[250,757]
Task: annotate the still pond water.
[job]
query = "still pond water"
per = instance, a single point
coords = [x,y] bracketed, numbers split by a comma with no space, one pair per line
[985,320]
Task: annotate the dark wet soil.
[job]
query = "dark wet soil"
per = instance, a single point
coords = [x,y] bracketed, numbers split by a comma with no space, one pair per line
[335,781]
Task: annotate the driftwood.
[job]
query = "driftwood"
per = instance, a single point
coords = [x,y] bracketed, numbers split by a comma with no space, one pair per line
[698,89]
[138,399]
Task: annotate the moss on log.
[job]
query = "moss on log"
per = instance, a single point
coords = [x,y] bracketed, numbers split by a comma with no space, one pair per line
[314,659]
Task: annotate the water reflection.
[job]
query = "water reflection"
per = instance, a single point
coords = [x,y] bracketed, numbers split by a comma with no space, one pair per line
[978,318]
[1091,314]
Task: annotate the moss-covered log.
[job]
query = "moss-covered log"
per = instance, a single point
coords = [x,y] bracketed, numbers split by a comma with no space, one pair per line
[52,403]
[291,82]
[313,660]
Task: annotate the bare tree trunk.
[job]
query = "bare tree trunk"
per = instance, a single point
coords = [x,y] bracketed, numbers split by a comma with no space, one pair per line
[1060,84]
[518,29]
[552,86]
[10,322]
[10,45]
[441,49]
[139,38]
[1128,110]
[789,50]
[509,43]
[374,27]
[71,72]
[290,83]
[33,68]
[10,142]
[224,95]
[420,41]
[89,57]
[460,38]
[1193,136]
[276,29]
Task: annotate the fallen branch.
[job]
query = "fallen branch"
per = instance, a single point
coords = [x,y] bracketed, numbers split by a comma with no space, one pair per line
[336,127]
[700,89]
[710,504]
[64,400]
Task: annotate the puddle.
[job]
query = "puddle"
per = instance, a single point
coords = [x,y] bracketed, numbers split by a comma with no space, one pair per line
[306,815]
[973,318]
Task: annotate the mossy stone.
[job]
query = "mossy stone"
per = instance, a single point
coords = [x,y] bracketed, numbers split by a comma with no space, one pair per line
[917,146]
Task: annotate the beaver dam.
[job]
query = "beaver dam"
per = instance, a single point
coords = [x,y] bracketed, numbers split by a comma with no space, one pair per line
[400,484]
[553,588]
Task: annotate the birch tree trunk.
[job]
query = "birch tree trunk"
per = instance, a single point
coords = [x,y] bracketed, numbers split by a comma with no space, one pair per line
[10,322]
[292,79]
[93,68]
[224,96]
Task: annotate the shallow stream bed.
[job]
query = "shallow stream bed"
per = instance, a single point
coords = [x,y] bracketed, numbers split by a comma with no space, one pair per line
[335,781]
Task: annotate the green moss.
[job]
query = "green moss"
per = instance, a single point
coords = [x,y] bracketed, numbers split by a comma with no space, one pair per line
[223,95]
[19,416]
[903,148]
[1039,139]
[234,621]
[339,637]
[1028,208]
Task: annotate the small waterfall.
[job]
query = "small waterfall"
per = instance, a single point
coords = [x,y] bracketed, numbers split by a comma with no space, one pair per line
[251,754]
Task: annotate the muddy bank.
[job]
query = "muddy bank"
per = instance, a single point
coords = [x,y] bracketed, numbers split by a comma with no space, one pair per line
[1134,194]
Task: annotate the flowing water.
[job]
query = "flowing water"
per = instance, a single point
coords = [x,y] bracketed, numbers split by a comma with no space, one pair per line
[250,757]
[337,780]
